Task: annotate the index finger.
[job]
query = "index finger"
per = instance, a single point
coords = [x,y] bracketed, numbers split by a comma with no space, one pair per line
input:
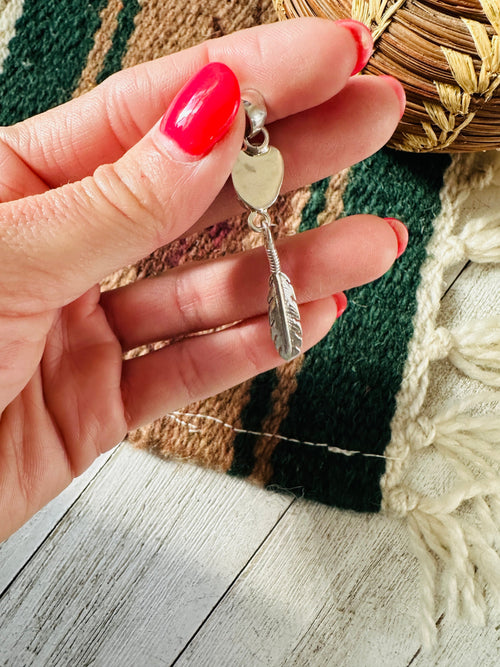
[296,65]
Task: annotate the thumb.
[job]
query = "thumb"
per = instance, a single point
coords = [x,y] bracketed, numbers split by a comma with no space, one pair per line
[75,235]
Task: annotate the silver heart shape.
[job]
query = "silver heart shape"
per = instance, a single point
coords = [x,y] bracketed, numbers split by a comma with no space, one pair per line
[257,179]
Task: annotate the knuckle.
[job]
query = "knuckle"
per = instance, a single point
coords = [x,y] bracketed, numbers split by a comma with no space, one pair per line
[259,50]
[252,356]
[125,127]
[190,373]
[188,303]
[130,199]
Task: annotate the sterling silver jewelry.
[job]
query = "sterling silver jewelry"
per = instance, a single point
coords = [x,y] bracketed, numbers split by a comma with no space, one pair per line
[257,178]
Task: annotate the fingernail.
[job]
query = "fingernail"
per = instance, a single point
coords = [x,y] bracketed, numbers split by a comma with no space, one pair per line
[401,231]
[364,41]
[341,302]
[203,110]
[398,89]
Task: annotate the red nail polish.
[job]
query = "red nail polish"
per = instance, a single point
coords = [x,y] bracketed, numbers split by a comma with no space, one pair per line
[364,41]
[203,110]
[341,302]
[398,89]
[401,231]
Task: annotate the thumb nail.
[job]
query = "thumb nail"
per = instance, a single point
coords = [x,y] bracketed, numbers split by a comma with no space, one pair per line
[203,110]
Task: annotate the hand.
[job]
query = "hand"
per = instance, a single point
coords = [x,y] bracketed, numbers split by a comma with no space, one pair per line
[99,183]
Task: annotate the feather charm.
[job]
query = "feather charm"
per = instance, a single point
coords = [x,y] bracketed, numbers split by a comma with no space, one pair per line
[257,177]
[284,318]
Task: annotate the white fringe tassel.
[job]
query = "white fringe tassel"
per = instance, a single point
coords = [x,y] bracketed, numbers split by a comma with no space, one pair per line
[479,241]
[456,535]
[473,348]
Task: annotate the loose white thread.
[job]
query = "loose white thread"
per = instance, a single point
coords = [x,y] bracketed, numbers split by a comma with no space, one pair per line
[176,416]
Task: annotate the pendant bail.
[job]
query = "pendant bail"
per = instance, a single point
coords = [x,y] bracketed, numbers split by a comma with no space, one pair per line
[255,111]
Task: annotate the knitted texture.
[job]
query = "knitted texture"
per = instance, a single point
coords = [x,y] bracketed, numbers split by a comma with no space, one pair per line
[47,55]
[351,403]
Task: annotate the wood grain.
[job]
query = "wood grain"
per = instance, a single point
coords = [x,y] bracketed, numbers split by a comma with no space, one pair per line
[474,296]
[327,588]
[18,549]
[478,202]
[463,645]
[135,566]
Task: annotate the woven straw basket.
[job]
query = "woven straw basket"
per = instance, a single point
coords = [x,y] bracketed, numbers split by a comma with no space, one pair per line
[446,53]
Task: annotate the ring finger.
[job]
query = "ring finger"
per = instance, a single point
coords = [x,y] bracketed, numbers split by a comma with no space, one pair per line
[196,368]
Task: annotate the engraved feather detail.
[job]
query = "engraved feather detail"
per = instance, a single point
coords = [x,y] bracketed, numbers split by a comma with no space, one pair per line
[284,317]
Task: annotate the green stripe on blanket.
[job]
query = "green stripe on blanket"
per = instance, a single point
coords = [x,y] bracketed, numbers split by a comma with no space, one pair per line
[46,56]
[348,382]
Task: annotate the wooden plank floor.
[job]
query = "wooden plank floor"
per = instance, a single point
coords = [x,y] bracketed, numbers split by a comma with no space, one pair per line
[143,562]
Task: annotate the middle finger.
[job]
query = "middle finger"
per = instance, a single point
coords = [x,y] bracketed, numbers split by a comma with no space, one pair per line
[289,62]
[324,140]
[204,295]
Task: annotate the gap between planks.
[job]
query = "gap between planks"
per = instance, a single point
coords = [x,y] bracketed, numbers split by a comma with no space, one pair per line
[232,583]
[17,551]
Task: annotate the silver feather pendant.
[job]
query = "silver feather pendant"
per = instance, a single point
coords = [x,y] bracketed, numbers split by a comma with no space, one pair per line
[284,317]
[257,177]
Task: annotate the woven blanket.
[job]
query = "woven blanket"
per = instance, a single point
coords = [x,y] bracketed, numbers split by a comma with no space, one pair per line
[360,421]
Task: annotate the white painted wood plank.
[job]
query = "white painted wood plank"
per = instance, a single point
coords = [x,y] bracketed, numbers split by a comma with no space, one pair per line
[327,588]
[291,612]
[135,566]
[473,297]
[18,549]
[463,645]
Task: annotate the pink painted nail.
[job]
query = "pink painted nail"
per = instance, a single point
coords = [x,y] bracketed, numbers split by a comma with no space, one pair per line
[203,110]
[364,41]
[401,231]
[398,89]
[341,302]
